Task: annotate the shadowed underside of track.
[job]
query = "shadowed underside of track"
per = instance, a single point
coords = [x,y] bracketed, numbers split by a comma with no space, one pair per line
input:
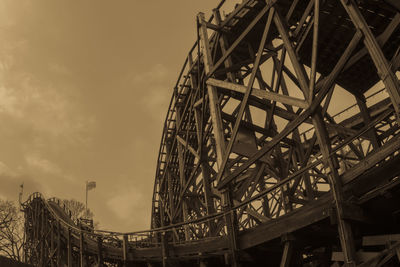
[254,169]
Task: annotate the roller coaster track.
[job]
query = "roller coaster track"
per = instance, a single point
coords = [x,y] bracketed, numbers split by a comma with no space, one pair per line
[253,170]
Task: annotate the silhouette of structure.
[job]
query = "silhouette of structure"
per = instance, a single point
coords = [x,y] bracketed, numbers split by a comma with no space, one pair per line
[254,169]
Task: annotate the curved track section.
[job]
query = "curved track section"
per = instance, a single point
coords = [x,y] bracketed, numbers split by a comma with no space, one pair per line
[253,164]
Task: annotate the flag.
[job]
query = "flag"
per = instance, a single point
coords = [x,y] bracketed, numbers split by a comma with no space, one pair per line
[90,185]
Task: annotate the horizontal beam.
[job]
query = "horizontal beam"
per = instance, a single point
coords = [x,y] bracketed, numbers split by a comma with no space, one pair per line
[284,99]
[378,240]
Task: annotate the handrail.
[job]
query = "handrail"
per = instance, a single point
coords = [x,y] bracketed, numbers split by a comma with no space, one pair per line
[204,219]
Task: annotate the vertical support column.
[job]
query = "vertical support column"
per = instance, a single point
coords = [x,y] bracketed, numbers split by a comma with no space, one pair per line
[164,249]
[384,71]
[344,228]
[42,237]
[182,172]
[230,222]
[198,116]
[100,251]
[367,119]
[215,111]
[298,67]
[224,44]
[69,248]
[125,249]
[287,240]
[169,180]
[52,243]
[58,243]
[81,249]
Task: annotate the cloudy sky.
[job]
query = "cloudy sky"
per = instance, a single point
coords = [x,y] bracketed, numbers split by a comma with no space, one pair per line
[84,89]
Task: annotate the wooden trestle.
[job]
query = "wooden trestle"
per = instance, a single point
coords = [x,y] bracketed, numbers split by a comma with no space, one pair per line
[254,169]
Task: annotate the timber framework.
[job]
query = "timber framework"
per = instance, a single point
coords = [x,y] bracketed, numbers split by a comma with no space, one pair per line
[257,165]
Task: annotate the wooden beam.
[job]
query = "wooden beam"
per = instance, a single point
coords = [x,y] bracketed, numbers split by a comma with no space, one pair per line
[81,249]
[314,50]
[345,233]
[215,111]
[100,250]
[367,120]
[381,39]
[125,249]
[372,159]
[298,67]
[185,144]
[259,93]
[380,240]
[384,70]
[69,248]
[287,253]
[299,218]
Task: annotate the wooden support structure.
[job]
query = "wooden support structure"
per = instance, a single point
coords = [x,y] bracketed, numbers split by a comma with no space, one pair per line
[125,249]
[384,71]
[287,251]
[100,250]
[81,250]
[215,111]
[254,147]
[69,248]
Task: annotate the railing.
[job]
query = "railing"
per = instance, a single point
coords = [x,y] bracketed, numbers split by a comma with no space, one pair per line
[187,232]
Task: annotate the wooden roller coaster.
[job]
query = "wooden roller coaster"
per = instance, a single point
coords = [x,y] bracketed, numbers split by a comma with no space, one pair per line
[254,168]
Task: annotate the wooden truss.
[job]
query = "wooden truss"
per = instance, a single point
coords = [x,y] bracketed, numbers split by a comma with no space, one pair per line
[256,162]
[250,114]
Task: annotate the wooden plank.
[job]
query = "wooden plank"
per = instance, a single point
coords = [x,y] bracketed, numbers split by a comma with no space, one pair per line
[361,256]
[299,218]
[100,250]
[215,111]
[259,93]
[125,249]
[69,248]
[379,240]
[81,249]
[367,120]
[287,253]
[298,67]
[185,144]
[314,50]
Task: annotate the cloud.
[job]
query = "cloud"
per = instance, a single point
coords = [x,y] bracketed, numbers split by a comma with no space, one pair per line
[131,206]
[6,171]
[156,73]
[42,164]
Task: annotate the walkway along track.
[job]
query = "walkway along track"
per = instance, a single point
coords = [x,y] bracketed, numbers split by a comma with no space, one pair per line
[252,169]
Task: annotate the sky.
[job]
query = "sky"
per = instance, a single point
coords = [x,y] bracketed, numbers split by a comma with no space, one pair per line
[84,90]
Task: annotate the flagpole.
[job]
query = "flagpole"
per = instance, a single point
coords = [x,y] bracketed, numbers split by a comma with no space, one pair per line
[86,199]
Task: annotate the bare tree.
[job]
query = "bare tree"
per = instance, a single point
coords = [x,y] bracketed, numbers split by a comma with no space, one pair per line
[11,230]
[79,212]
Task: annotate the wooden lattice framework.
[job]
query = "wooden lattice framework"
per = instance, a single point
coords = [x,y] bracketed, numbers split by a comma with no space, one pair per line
[251,159]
